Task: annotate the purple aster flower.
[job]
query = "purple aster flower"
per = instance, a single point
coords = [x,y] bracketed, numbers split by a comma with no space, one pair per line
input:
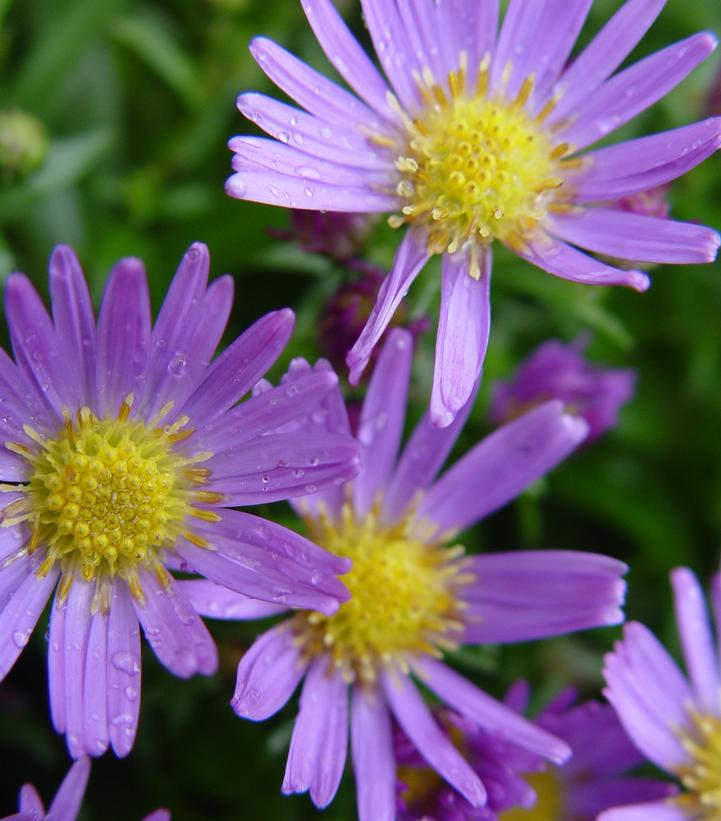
[559,371]
[124,450]
[415,595]
[477,135]
[67,801]
[674,720]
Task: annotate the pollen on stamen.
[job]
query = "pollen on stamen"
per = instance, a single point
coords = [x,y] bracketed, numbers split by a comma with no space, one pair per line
[404,597]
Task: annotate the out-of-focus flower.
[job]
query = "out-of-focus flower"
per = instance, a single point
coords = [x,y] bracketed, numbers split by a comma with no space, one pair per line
[124,450]
[348,310]
[340,236]
[474,135]
[556,370]
[674,719]
[23,145]
[67,801]
[416,594]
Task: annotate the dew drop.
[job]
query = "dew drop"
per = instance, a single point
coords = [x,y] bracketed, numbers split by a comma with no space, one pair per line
[178,365]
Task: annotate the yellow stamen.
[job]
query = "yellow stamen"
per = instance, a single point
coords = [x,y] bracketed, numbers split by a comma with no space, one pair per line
[702,776]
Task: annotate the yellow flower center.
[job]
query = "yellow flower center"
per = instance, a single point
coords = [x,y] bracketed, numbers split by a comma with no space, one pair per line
[107,496]
[475,168]
[549,804]
[404,596]
[702,777]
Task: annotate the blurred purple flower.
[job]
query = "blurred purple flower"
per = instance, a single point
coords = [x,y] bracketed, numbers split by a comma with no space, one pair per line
[339,236]
[67,801]
[674,719]
[124,450]
[478,134]
[556,370]
[414,595]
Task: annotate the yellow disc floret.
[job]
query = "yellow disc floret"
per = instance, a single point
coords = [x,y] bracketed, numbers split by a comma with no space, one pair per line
[107,496]
[475,167]
[404,596]
[702,777]
[550,804]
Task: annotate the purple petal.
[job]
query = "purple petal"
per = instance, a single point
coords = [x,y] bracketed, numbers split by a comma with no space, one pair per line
[635,89]
[423,25]
[522,596]
[56,665]
[428,738]
[381,422]
[640,165]
[394,49]
[268,674]
[311,90]
[341,144]
[520,29]
[605,53]
[657,810]
[35,345]
[21,614]
[158,815]
[421,459]
[95,696]
[346,55]
[697,639]
[266,411]
[476,30]
[373,761]
[320,736]
[77,630]
[464,324]
[20,401]
[123,335]
[565,262]
[255,153]
[637,237]
[74,322]
[67,801]
[216,602]
[411,256]
[493,716]
[30,801]
[502,466]
[174,630]
[123,670]
[269,562]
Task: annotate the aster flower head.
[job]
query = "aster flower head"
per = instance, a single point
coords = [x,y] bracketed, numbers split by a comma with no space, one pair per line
[474,135]
[124,450]
[556,370]
[674,719]
[415,595]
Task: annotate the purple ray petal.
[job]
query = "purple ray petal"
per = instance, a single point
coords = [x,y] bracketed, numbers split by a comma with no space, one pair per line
[124,328]
[423,26]
[320,736]
[476,27]
[394,49]
[174,630]
[519,30]
[381,422]
[635,89]
[310,89]
[493,716]
[95,689]
[565,262]
[56,665]
[123,670]
[77,630]
[67,801]
[335,143]
[74,322]
[656,810]
[608,49]
[20,401]
[415,718]
[646,163]
[268,674]
[502,465]
[30,801]
[697,639]
[410,258]
[295,191]
[637,236]
[421,459]
[20,615]
[346,55]
[522,596]
[373,761]
[464,324]
[216,602]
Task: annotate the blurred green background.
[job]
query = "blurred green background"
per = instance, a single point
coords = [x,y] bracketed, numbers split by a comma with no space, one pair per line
[133,103]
